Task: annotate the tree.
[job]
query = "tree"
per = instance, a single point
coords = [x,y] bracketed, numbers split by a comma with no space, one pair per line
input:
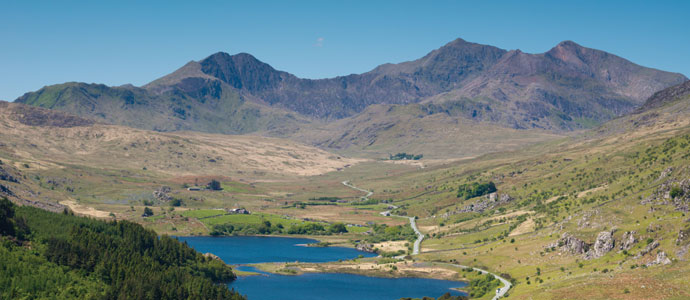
[147,212]
[338,228]
[214,185]
[6,216]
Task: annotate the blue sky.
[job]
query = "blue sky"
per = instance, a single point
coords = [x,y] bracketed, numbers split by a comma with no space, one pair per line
[118,42]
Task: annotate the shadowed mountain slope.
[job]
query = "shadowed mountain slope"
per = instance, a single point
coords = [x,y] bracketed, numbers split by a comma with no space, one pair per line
[568,88]
[666,110]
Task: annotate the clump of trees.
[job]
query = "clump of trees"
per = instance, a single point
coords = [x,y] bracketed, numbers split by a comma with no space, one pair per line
[329,199]
[478,287]
[214,185]
[175,202]
[7,226]
[307,228]
[147,212]
[405,156]
[383,232]
[366,202]
[475,189]
[266,227]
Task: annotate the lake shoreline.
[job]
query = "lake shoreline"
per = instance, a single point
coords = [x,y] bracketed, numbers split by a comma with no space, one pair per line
[364,267]
[261,260]
[332,240]
[353,266]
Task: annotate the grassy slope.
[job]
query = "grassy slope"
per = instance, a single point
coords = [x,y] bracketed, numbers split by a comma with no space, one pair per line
[582,187]
[381,130]
[595,180]
[210,106]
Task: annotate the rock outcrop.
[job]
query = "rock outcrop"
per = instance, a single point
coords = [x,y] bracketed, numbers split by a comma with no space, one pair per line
[365,247]
[569,243]
[628,240]
[603,244]
[683,241]
[6,176]
[671,192]
[683,236]
[487,202]
[660,259]
[213,256]
[647,249]
[162,193]
[665,173]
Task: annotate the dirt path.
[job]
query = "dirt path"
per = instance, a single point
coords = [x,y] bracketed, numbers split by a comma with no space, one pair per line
[524,227]
[85,210]
[364,198]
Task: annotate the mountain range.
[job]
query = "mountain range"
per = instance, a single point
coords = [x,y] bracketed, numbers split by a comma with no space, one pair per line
[566,172]
[567,88]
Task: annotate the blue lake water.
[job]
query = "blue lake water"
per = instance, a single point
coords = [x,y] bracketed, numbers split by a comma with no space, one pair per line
[237,250]
[247,250]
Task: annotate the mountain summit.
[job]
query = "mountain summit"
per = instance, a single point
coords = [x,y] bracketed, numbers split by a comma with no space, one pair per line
[566,88]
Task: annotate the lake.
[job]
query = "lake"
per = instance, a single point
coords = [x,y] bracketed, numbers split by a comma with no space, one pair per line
[247,250]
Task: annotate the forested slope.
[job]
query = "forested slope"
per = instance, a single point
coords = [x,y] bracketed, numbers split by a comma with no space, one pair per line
[62,256]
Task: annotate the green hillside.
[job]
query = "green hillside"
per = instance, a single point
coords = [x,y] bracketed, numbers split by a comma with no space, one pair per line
[603,216]
[61,256]
[198,104]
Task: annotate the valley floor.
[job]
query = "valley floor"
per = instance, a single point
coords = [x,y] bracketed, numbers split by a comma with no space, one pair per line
[600,217]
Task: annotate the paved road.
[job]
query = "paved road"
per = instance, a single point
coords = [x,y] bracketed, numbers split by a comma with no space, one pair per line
[420,237]
[413,223]
[501,292]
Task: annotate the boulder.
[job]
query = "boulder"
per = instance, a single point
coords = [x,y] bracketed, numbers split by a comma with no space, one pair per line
[213,256]
[365,247]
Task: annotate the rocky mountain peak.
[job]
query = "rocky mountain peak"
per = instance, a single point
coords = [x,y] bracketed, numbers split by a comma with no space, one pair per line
[242,71]
[572,54]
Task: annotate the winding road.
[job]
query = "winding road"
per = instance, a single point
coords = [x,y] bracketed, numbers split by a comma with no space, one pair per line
[420,237]
[500,292]
[413,223]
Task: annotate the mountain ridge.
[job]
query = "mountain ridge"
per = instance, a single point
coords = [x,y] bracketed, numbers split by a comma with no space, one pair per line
[567,88]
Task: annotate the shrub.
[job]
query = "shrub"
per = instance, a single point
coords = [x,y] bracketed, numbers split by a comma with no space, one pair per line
[676,192]
[214,185]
